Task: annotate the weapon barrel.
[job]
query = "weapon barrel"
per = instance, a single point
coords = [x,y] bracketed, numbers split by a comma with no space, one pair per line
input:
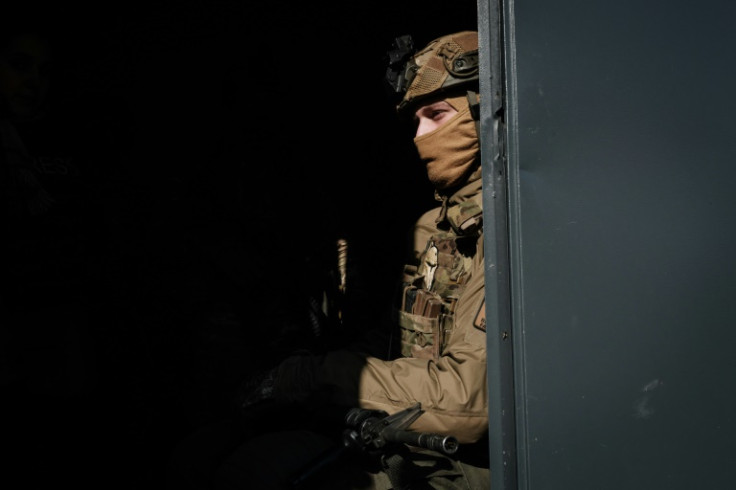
[434,442]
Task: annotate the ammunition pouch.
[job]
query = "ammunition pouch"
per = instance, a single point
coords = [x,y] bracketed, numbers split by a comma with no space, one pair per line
[424,337]
[430,292]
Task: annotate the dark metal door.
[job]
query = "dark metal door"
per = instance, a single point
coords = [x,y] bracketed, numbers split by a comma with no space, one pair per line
[616,278]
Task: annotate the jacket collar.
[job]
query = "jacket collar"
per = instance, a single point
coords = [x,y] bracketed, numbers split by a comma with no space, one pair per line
[470,191]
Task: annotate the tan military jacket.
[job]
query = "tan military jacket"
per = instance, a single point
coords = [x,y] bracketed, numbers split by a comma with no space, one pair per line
[451,388]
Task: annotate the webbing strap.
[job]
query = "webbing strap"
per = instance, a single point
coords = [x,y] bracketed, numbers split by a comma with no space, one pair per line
[474,104]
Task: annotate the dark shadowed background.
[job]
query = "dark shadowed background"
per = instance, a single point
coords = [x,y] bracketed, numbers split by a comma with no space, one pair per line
[230,144]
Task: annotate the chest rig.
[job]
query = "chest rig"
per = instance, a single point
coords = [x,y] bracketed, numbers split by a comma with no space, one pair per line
[430,291]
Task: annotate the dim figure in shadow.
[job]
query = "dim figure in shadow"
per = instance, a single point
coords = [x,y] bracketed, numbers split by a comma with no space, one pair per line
[50,249]
[294,429]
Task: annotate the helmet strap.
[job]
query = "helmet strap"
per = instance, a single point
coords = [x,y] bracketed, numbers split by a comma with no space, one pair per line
[474,104]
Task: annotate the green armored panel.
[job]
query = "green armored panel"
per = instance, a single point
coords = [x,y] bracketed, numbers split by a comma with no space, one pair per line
[621,205]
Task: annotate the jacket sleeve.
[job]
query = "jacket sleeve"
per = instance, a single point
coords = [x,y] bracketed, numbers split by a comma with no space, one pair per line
[451,389]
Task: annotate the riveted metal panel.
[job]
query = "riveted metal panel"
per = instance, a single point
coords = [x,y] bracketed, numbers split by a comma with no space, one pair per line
[502,426]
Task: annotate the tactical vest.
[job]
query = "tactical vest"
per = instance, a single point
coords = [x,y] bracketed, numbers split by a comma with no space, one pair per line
[430,291]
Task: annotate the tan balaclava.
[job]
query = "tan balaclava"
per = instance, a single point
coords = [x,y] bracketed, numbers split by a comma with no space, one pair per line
[450,152]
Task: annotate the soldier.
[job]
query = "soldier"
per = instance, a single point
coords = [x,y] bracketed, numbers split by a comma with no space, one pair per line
[440,313]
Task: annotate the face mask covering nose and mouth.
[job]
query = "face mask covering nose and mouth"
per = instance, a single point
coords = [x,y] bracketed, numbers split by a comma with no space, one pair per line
[449,152]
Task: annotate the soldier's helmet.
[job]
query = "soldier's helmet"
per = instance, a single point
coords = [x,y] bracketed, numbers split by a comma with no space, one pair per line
[444,65]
